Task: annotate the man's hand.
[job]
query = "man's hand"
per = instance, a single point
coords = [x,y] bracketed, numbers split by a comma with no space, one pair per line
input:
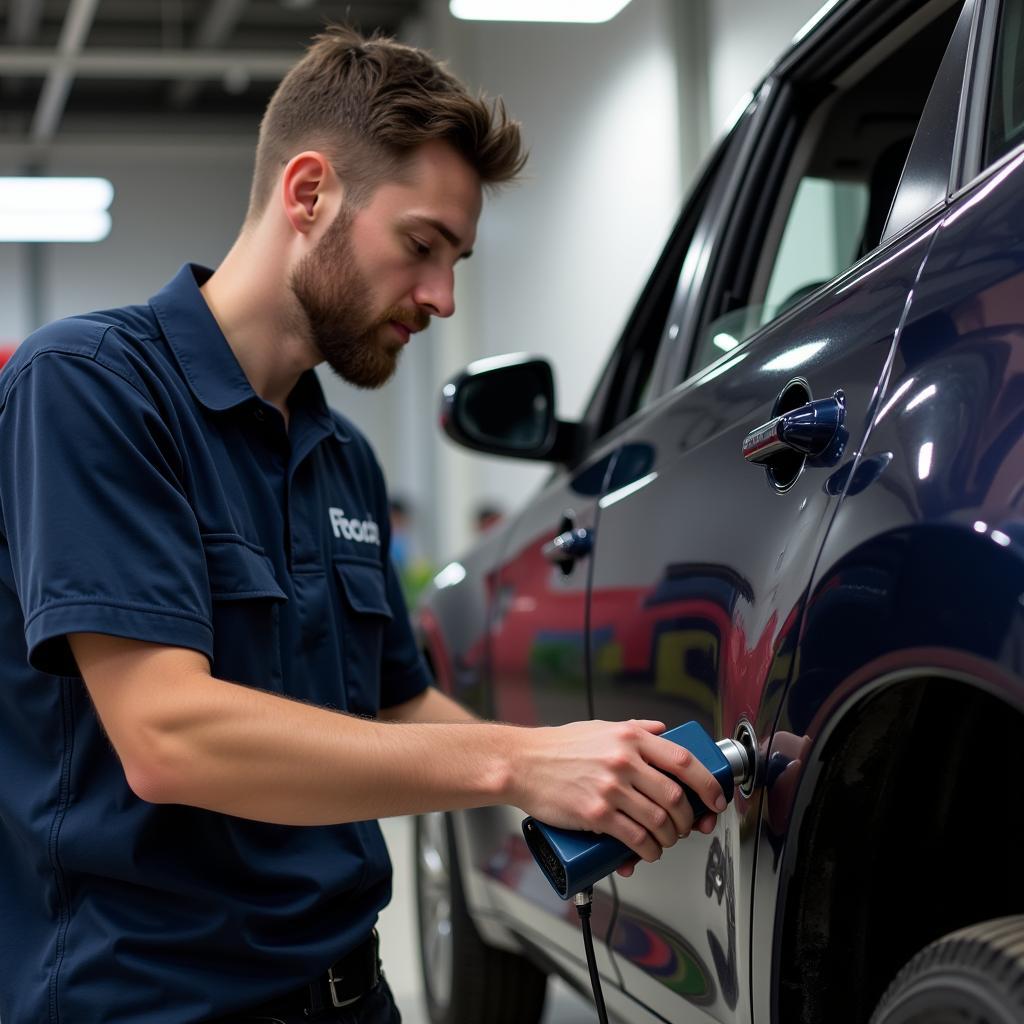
[607,777]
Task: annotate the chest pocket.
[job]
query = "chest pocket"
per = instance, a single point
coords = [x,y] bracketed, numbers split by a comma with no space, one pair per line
[246,602]
[365,617]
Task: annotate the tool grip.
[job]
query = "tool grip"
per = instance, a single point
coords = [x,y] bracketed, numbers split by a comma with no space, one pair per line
[574,860]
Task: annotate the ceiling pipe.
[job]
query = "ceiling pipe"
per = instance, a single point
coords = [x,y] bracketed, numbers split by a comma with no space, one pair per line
[148,64]
[23,19]
[54,95]
[218,24]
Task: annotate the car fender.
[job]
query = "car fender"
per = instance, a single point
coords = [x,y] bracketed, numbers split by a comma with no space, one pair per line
[910,656]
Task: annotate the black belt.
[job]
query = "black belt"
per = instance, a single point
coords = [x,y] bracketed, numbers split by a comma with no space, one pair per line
[348,980]
[343,984]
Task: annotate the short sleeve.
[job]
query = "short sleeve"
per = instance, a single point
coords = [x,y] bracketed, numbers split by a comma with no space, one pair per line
[404,673]
[101,534]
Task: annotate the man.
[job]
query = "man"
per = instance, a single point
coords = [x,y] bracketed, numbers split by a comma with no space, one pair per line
[209,683]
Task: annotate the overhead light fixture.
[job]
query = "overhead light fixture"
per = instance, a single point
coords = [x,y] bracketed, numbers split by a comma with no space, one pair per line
[589,11]
[55,209]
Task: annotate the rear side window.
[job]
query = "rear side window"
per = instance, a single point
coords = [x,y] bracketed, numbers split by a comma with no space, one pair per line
[823,205]
[821,238]
[1005,128]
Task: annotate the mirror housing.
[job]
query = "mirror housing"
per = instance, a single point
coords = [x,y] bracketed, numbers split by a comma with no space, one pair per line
[506,406]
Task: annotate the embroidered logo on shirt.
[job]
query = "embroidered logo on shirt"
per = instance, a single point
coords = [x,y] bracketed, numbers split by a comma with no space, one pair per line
[363,531]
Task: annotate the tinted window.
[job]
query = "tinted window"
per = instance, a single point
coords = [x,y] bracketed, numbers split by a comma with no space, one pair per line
[841,164]
[1005,128]
[820,240]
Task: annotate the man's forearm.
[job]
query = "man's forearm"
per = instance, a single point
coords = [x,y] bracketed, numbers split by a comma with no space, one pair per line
[186,737]
[429,706]
[256,755]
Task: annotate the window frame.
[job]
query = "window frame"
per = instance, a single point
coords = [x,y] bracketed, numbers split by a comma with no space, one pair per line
[798,80]
[970,169]
[614,393]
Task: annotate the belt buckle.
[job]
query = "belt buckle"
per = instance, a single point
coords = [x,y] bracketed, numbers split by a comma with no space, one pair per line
[332,980]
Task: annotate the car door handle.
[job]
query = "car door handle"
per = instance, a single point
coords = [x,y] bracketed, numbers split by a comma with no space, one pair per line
[568,546]
[809,430]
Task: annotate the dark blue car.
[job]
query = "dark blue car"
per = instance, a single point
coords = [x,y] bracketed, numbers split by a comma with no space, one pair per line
[794,512]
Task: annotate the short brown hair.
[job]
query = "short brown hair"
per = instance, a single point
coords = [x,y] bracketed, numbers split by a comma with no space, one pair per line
[367,103]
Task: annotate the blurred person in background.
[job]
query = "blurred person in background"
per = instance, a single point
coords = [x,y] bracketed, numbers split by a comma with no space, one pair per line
[486,516]
[414,571]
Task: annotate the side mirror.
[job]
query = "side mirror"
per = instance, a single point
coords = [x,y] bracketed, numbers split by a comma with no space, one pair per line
[506,406]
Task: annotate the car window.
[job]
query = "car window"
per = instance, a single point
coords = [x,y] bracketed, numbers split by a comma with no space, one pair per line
[820,240]
[1005,125]
[824,203]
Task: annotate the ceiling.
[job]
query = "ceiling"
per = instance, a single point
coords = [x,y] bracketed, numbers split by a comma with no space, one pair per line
[78,69]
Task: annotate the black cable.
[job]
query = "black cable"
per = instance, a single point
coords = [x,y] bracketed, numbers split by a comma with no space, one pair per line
[583,901]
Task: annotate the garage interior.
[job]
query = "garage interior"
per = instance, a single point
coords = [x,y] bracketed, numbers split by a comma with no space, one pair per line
[163,98]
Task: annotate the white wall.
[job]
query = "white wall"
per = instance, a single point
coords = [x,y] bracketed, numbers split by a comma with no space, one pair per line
[171,204]
[744,39]
[617,118]
[561,257]
[13,294]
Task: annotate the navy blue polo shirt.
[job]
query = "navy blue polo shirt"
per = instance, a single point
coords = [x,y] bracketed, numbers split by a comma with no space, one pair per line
[147,492]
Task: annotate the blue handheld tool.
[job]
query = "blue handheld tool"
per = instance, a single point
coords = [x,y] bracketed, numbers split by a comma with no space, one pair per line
[574,861]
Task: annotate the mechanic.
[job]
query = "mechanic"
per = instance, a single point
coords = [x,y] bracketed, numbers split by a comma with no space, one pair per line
[210,687]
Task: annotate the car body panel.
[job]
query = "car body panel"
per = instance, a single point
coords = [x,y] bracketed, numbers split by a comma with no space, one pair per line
[936,498]
[693,615]
[538,676]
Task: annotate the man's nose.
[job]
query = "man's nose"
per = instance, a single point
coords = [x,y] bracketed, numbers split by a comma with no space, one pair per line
[436,294]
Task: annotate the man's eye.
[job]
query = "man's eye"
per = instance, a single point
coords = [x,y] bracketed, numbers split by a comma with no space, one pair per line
[420,248]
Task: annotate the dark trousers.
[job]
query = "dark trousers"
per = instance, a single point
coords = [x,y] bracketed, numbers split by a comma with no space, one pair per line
[376,1007]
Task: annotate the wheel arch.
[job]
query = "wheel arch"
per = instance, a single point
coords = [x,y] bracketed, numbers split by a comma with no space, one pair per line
[909,687]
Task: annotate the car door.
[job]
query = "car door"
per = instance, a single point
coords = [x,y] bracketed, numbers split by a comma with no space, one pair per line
[703,557]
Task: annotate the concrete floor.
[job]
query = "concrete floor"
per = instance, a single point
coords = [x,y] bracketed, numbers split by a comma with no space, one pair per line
[400,955]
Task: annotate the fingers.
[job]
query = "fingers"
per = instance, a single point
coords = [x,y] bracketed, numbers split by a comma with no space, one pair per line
[668,796]
[635,836]
[650,726]
[625,870]
[682,765]
[707,824]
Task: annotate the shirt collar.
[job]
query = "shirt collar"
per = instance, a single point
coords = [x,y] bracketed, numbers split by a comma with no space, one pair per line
[210,367]
[205,357]
[309,395]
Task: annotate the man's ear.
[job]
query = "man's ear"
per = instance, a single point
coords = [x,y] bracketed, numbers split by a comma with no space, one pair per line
[309,190]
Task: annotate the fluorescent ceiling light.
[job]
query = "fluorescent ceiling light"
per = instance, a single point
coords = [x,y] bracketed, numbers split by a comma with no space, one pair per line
[726,342]
[590,11]
[54,209]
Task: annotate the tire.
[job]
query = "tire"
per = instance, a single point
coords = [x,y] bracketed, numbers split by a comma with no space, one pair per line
[971,976]
[465,980]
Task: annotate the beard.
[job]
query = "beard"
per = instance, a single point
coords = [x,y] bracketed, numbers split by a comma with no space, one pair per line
[333,297]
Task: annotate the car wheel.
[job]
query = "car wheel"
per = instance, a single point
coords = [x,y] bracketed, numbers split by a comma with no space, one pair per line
[971,976]
[465,980]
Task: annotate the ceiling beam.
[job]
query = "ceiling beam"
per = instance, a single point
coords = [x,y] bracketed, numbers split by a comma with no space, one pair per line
[215,28]
[54,95]
[153,64]
[23,19]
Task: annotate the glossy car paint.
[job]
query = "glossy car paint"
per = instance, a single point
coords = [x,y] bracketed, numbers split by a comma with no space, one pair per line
[726,560]
[713,595]
[921,574]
